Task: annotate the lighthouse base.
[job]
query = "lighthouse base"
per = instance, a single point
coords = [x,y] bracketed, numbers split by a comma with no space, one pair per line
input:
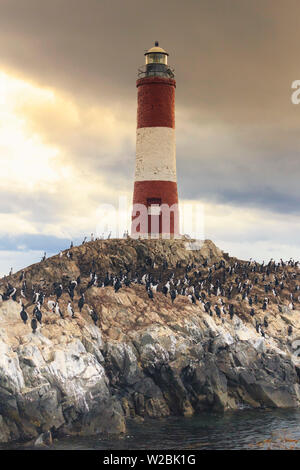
[155,210]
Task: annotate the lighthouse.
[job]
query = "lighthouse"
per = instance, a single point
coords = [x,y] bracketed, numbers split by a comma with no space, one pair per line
[155,198]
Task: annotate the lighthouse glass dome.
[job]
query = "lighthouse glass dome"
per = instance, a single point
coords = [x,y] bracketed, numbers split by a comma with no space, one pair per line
[156,58]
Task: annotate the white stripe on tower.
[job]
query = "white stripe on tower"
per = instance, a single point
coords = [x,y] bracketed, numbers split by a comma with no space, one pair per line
[155,154]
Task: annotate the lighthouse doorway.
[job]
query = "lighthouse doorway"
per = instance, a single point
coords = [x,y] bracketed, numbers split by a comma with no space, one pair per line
[154,217]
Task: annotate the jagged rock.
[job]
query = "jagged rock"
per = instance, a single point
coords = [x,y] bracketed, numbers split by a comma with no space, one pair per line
[44,439]
[141,359]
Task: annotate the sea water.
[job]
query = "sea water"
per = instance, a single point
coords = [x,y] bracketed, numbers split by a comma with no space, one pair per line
[245,429]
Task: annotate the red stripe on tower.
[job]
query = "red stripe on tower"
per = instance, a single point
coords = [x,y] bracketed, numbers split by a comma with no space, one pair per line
[155,198]
[156,102]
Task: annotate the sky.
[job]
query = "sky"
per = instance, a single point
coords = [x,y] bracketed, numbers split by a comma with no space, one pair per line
[68,119]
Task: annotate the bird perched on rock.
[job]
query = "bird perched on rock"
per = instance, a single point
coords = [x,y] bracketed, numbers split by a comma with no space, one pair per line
[73,284]
[191,299]
[36,297]
[58,291]
[218,311]
[23,315]
[51,305]
[58,310]
[165,290]
[33,325]
[154,287]
[71,293]
[94,316]
[150,293]
[93,280]
[117,285]
[70,310]
[37,313]
[11,293]
[173,295]
[81,302]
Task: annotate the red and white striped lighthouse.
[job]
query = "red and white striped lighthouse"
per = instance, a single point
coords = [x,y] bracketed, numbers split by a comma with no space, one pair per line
[155,198]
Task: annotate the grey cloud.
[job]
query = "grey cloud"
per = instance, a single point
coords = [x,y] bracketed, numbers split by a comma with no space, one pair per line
[252,168]
[40,206]
[234,60]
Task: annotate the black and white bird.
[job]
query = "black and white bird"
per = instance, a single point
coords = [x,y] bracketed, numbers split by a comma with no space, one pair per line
[24,315]
[36,297]
[58,291]
[173,295]
[150,293]
[231,311]
[154,287]
[93,281]
[37,313]
[167,285]
[81,302]
[70,310]
[117,285]
[192,298]
[11,293]
[218,311]
[58,310]
[33,324]
[165,290]
[94,316]
[51,305]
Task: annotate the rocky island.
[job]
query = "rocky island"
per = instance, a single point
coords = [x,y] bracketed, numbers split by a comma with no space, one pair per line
[137,351]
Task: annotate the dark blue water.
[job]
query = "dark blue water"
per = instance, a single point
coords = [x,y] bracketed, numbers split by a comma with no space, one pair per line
[233,430]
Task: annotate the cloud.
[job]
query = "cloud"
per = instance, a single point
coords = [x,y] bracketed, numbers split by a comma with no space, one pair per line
[251,170]
[256,233]
[234,60]
[68,111]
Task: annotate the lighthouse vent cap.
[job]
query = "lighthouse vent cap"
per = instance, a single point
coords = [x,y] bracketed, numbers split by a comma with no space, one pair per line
[156,50]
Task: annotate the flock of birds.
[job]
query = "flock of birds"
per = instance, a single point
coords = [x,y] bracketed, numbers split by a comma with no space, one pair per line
[36,296]
[214,287]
